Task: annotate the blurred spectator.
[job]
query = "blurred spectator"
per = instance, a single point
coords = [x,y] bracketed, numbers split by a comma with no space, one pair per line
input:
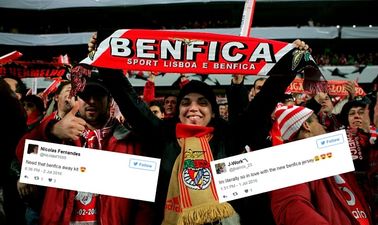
[34,108]
[170,102]
[157,108]
[14,115]
[257,85]
[16,85]
[223,111]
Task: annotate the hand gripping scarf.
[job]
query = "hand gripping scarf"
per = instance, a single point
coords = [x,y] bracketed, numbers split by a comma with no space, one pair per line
[192,197]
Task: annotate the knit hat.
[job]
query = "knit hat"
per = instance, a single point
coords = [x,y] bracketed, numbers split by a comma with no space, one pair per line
[195,86]
[288,121]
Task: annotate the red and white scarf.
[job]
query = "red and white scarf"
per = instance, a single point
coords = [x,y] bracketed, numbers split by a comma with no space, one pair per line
[95,138]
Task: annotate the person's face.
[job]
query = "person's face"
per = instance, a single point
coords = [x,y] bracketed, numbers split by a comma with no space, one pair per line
[94,110]
[326,105]
[315,127]
[256,89]
[195,109]
[13,86]
[64,102]
[222,109]
[223,112]
[355,117]
[156,110]
[170,105]
[29,107]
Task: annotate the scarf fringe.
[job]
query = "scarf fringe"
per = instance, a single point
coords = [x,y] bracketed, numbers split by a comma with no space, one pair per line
[205,214]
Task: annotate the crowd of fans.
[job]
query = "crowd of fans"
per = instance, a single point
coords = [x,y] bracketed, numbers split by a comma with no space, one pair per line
[187,131]
[330,58]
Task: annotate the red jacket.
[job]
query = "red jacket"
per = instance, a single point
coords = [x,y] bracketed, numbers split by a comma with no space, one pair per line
[58,203]
[316,203]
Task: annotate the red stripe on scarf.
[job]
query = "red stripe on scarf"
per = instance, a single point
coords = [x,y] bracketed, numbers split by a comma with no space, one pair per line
[184,198]
[206,147]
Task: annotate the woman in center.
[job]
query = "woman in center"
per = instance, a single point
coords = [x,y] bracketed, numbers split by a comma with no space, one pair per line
[187,142]
[192,197]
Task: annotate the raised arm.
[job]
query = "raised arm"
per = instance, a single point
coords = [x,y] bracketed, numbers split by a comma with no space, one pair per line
[135,110]
[257,121]
[237,98]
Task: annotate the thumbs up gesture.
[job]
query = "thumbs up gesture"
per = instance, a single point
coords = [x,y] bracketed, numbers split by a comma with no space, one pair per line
[70,127]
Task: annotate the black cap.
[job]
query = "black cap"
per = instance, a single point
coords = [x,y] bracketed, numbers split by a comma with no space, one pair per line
[93,88]
[195,86]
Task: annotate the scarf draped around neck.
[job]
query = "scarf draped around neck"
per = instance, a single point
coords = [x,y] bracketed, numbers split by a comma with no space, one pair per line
[192,197]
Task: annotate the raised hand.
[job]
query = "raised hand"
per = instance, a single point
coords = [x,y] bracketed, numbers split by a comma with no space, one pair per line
[151,77]
[301,45]
[350,87]
[366,120]
[92,44]
[71,126]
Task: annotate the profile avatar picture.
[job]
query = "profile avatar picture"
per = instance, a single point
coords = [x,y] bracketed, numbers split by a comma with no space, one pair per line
[32,149]
[220,168]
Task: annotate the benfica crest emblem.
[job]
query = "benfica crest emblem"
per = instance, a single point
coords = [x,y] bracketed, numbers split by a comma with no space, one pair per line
[196,174]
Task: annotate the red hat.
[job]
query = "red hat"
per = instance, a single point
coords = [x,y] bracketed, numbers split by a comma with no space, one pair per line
[288,121]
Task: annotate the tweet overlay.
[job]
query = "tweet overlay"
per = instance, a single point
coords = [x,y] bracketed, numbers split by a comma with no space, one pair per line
[282,166]
[90,170]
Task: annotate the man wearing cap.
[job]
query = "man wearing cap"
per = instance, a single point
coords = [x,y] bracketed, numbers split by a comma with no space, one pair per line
[89,125]
[335,200]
